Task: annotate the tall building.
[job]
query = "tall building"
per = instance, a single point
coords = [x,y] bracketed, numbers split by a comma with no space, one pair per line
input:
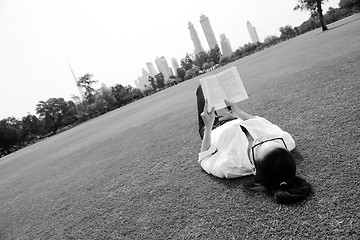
[208,31]
[81,91]
[137,84]
[143,81]
[171,72]
[252,31]
[151,69]
[163,67]
[195,38]
[175,65]
[225,46]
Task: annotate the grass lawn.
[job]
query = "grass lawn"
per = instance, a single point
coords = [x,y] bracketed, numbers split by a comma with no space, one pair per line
[133,173]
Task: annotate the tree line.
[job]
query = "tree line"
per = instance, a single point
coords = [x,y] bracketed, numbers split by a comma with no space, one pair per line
[56,114]
[204,61]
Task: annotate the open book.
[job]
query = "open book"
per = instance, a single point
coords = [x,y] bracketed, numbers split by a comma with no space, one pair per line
[224,85]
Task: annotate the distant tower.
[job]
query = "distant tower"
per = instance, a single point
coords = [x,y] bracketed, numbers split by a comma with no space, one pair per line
[142,82]
[209,34]
[151,69]
[195,38]
[252,31]
[225,46]
[175,65]
[137,83]
[81,91]
[163,67]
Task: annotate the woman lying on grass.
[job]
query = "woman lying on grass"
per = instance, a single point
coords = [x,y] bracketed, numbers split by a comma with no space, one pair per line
[246,145]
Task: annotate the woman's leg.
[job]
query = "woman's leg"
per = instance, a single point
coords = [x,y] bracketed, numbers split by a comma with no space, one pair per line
[200,106]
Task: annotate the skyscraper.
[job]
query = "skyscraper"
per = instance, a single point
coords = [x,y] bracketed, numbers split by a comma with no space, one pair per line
[175,65]
[195,38]
[143,81]
[81,91]
[208,31]
[225,46]
[151,69]
[163,67]
[252,31]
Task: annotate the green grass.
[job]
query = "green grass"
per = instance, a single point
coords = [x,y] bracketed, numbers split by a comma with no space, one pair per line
[133,173]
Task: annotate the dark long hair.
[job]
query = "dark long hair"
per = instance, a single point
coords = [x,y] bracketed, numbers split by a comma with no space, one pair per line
[276,171]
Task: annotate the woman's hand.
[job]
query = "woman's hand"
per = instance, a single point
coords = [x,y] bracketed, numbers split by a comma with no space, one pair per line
[208,117]
[234,108]
[236,112]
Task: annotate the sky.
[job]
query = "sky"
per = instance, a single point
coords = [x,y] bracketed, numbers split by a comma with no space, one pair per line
[113,39]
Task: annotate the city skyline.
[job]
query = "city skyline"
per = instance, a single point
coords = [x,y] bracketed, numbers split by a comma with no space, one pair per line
[163,67]
[225,48]
[142,82]
[39,36]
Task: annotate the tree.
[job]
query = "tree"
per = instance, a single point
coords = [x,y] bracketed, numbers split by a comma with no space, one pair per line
[308,25]
[31,127]
[80,107]
[10,134]
[201,58]
[101,106]
[181,73]
[136,93]
[106,94]
[271,40]
[287,32]
[92,109]
[193,72]
[350,4]
[120,94]
[171,81]
[249,48]
[152,82]
[332,15]
[147,92]
[237,54]
[71,113]
[128,88]
[224,60]
[314,6]
[54,112]
[215,54]
[187,62]
[87,83]
[160,81]
[206,66]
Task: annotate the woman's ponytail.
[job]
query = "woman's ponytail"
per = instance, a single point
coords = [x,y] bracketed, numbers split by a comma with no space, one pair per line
[293,191]
[277,173]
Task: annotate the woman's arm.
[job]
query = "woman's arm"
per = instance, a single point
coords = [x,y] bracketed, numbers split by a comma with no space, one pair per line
[236,112]
[208,119]
[206,142]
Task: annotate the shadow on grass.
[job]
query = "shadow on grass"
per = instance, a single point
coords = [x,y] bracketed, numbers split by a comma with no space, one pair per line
[339,25]
[248,180]
[297,156]
[247,183]
[233,183]
[344,23]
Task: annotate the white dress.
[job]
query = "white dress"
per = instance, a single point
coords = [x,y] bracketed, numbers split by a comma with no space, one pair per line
[227,156]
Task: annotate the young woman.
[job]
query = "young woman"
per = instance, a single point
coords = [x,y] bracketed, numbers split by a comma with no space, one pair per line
[245,145]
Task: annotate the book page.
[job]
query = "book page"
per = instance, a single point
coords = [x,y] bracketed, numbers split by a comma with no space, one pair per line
[212,92]
[232,85]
